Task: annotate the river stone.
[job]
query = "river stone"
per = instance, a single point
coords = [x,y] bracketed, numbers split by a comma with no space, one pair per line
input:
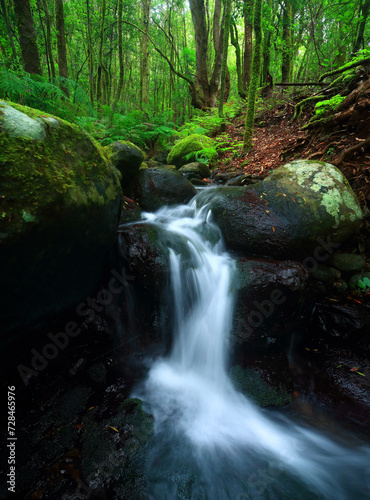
[189,148]
[195,170]
[155,187]
[127,158]
[304,209]
[267,296]
[60,204]
[348,261]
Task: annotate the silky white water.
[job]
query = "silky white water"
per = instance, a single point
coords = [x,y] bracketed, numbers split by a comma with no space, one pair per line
[210,442]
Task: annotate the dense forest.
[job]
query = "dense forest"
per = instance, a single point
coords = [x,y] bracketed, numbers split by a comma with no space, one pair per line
[140,70]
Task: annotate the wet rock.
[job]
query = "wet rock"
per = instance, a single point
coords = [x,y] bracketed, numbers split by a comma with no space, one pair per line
[348,262]
[266,380]
[325,274]
[61,204]
[155,187]
[130,211]
[303,210]
[267,302]
[127,158]
[195,170]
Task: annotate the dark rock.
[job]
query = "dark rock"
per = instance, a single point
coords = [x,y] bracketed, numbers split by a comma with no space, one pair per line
[268,297]
[155,187]
[195,170]
[348,261]
[325,274]
[130,211]
[127,158]
[303,210]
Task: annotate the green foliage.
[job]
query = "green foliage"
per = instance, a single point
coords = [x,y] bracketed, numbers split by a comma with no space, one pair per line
[205,155]
[322,107]
[364,283]
[38,92]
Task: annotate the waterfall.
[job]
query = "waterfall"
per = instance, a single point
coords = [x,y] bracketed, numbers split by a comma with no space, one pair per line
[210,441]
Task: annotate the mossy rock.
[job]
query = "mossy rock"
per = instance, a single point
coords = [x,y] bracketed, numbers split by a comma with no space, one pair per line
[127,158]
[195,145]
[60,204]
[195,170]
[130,211]
[304,209]
[249,382]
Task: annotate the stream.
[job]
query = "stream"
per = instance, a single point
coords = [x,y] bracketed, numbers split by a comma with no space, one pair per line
[210,441]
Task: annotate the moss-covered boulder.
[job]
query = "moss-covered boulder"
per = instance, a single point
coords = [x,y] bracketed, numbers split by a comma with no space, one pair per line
[304,209]
[127,158]
[155,187]
[195,145]
[60,204]
[130,211]
[195,170]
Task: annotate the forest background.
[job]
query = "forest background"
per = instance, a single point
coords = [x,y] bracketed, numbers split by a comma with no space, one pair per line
[140,70]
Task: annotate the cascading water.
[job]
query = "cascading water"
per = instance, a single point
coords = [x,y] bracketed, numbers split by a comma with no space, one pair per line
[210,442]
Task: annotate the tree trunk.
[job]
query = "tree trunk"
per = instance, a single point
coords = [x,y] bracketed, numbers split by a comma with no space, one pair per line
[239,70]
[44,7]
[255,76]
[248,46]
[144,57]
[4,12]
[120,57]
[198,15]
[90,57]
[286,66]
[27,37]
[359,43]
[267,43]
[224,57]
[61,43]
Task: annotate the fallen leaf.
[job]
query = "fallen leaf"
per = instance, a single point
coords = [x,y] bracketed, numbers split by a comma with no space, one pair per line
[361,374]
[273,228]
[354,369]
[113,428]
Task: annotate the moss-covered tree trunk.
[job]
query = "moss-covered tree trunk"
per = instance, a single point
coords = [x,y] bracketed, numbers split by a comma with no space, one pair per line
[255,76]
[359,42]
[27,37]
[120,58]
[269,23]
[286,66]
[4,13]
[224,57]
[239,70]
[248,45]
[90,58]
[49,50]
[61,43]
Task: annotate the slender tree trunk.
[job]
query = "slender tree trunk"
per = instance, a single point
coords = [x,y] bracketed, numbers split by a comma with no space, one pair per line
[286,65]
[239,70]
[120,57]
[247,8]
[61,43]
[4,12]
[255,76]
[198,14]
[359,43]
[27,37]
[90,55]
[144,57]
[224,57]
[44,7]
[267,43]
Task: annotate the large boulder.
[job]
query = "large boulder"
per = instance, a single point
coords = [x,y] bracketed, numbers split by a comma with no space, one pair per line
[127,158]
[304,209]
[60,204]
[190,149]
[155,187]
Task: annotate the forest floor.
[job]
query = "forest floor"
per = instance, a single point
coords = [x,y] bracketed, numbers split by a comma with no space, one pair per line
[278,139]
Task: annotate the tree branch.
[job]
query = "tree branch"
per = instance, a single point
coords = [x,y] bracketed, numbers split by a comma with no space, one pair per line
[344,68]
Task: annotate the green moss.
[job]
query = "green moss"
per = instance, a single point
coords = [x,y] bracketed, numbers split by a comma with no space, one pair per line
[191,145]
[66,162]
[250,383]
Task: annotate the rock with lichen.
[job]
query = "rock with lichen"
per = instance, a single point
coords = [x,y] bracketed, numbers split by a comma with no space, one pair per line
[60,205]
[302,210]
